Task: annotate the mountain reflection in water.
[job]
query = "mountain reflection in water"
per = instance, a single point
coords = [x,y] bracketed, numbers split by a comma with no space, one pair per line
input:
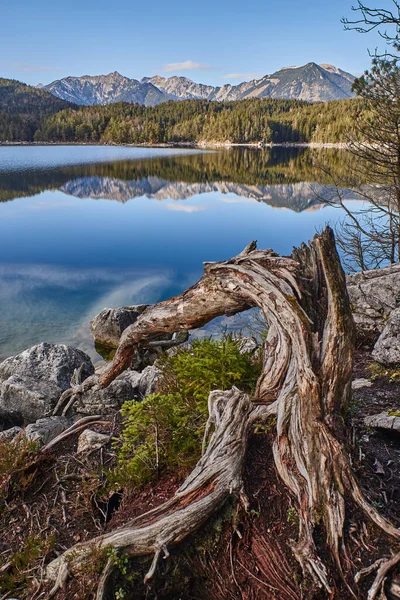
[76,238]
[287,178]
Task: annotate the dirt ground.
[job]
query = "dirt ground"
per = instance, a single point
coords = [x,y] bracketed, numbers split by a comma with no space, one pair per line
[62,500]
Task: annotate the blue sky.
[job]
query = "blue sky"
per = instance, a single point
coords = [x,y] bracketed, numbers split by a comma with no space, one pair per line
[212,41]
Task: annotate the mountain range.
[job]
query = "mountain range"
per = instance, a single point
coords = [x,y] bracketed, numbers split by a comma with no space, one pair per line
[297,197]
[310,82]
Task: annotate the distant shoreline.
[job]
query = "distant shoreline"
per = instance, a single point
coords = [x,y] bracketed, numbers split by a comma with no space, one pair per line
[190,145]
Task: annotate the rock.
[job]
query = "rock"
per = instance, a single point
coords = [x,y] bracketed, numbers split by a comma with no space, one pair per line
[357,384]
[98,401]
[108,325]
[130,385]
[91,440]
[32,382]
[373,296]
[148,381]
[45,430]
[248,345]
[11,433]
[383,421]
[387,349]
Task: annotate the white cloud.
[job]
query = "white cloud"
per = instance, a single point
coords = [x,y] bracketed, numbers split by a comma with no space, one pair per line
[244,76]
[22,67]
[185,207]
[186,65]
[238,200]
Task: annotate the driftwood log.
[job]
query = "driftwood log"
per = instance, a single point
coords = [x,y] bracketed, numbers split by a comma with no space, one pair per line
[305,382]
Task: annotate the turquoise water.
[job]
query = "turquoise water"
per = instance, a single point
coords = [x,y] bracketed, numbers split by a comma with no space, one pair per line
[84,228]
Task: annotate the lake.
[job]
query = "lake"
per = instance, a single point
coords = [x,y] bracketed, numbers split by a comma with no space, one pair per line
[88,227]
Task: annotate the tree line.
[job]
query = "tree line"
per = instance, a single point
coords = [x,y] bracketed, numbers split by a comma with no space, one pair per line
[31,114]
[23,109]
[196,121]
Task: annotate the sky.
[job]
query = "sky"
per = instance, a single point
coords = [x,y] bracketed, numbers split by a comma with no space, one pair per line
[212,41]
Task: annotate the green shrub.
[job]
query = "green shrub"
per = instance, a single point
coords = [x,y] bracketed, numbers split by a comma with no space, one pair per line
[21,565]
[16,456]
[165,431]
[379,371]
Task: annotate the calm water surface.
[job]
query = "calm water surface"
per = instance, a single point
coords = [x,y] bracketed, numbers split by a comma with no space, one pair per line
[84,228]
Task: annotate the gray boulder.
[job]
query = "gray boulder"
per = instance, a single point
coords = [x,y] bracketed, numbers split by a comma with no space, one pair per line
[130,385]
[10,434]
[358,384]
[373,296]
[148,381]
[108,325]
[387,349]
[32,382]
[248,345]
[91,440]
[45,430]
[383,421]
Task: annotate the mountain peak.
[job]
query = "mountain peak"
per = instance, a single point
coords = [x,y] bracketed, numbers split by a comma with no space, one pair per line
[115,75]
[309,82]
[330,68]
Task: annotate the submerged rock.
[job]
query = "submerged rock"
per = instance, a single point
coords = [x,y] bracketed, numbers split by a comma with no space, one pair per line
[387,349]
[32,382]
[373,296]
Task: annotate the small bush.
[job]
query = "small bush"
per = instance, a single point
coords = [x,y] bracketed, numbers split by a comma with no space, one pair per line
[16,456]
[166,429]
[393,413]
[379,371]
[22,564]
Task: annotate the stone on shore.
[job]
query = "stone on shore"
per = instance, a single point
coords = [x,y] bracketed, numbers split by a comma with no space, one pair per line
[383,421]
[46,429]
[358,384]
[130,385]
[32,382]
[91,440]
[387,349]
[107,326]
[10,434]
[373,296]
[248,345]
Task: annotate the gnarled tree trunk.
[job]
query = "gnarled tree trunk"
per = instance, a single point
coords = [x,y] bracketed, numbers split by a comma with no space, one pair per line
[305,382]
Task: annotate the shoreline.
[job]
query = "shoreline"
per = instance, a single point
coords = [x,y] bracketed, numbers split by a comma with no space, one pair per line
[192,145]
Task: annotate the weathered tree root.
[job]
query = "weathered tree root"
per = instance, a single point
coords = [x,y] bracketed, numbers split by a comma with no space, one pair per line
[75,428]
[305,381]
[216,476]
[382,567]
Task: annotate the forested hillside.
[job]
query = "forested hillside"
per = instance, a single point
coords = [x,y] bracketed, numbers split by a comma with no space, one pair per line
[196,121]
[23,108]
[28,113]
